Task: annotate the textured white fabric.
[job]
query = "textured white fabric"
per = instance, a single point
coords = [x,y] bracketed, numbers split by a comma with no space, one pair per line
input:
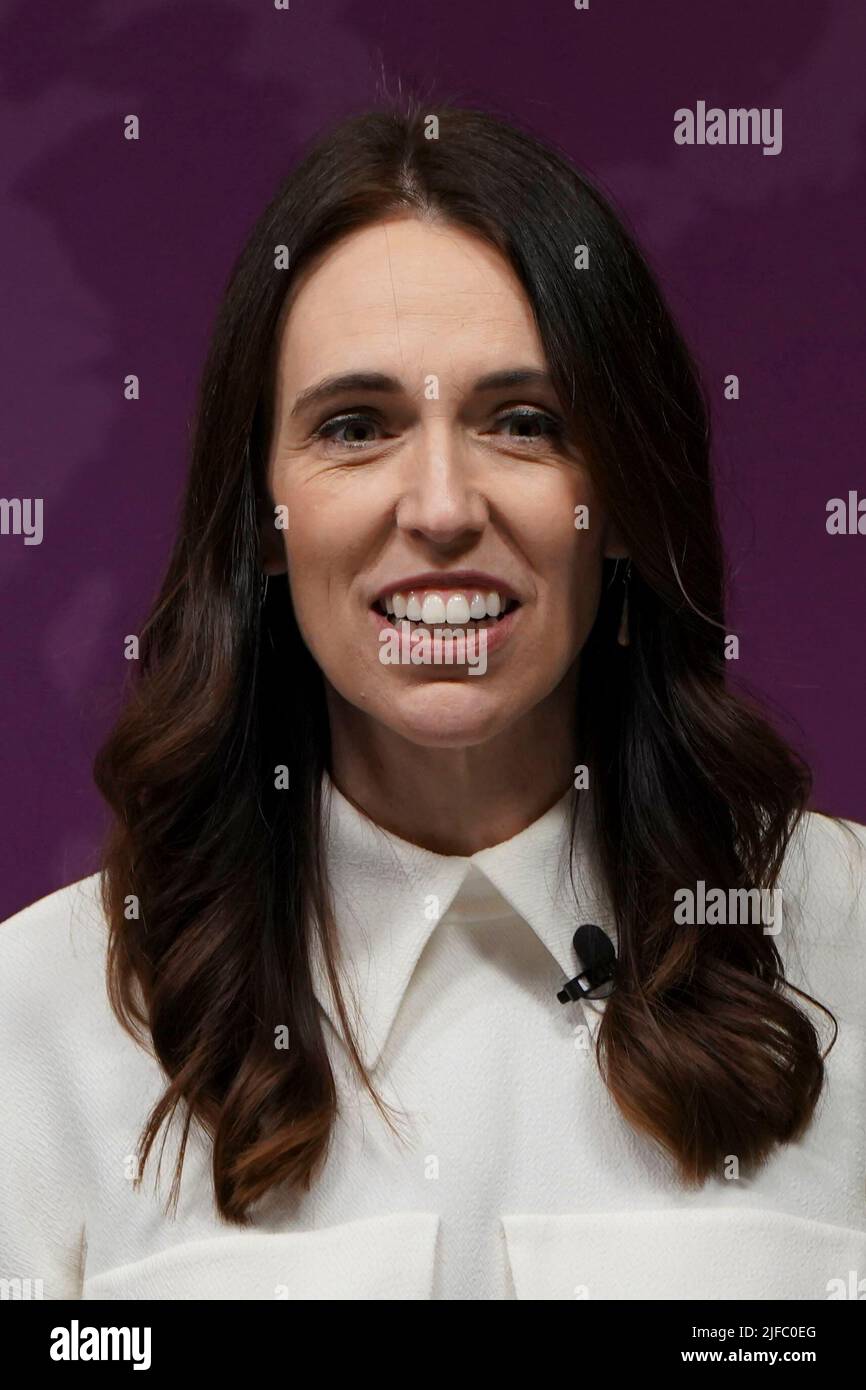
[516,1177]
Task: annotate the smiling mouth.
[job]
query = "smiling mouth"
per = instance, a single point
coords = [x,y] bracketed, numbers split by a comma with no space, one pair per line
[436,611]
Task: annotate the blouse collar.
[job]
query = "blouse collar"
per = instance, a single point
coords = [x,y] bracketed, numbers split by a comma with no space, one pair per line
[389,896]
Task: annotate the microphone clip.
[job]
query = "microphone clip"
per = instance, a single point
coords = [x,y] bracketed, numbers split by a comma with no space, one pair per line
[596,953]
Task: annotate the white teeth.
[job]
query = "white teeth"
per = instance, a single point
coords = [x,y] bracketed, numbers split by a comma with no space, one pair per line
[457,610]
[434,609]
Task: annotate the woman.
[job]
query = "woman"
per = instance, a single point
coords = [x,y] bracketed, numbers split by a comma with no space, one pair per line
[444,400]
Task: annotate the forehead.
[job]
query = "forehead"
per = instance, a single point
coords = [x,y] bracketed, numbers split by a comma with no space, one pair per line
[404,295]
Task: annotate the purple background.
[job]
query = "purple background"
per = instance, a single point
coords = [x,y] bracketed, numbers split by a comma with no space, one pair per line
[114,255]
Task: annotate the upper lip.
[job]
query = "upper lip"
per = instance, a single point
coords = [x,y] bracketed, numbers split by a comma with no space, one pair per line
[446,579]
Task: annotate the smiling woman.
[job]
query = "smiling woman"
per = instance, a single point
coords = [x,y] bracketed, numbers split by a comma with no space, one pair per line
[463,451]
[385,862]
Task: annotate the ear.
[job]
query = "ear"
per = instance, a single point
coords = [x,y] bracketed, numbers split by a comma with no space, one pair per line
[271,549]
[615,547]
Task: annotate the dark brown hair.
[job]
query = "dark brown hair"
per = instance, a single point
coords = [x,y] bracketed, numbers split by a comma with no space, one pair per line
[701,1045]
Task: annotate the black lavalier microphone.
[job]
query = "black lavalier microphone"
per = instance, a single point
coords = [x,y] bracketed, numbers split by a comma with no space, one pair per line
[597,954]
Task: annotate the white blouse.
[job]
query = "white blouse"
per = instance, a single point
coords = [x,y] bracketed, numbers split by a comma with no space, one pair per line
[517,1176]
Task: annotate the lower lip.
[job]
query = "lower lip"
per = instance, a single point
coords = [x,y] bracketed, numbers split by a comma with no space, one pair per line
[496,635]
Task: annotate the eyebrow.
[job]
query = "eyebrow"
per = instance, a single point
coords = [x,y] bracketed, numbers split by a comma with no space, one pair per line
[331,386]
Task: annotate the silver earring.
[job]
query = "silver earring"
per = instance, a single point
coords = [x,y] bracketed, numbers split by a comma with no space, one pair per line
[264,590]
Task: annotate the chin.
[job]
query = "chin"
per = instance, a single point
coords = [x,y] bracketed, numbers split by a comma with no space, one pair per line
[448,714]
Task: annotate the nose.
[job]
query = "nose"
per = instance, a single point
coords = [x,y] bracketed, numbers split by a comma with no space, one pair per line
[440,499]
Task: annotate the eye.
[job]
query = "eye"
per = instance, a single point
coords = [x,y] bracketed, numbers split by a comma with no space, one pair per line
[534,425]
[356,430]
[355,422]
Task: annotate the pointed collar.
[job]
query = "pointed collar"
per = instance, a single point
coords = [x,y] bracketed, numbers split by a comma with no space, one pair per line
[390,895]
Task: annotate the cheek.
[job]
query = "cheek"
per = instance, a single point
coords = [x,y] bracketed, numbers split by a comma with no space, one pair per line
[573,592]
[583,578]
[564,541]
[312,582]
[325,547]
[310,542]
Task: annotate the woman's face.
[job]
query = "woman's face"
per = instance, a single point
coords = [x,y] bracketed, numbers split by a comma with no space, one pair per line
[428,479]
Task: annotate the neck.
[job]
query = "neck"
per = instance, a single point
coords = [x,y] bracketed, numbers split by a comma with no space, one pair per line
[456,800]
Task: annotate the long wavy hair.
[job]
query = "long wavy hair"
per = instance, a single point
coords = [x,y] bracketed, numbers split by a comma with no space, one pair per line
[702,1046]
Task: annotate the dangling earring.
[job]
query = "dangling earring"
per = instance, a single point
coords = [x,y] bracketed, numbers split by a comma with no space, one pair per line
[622,636]
[264,590]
